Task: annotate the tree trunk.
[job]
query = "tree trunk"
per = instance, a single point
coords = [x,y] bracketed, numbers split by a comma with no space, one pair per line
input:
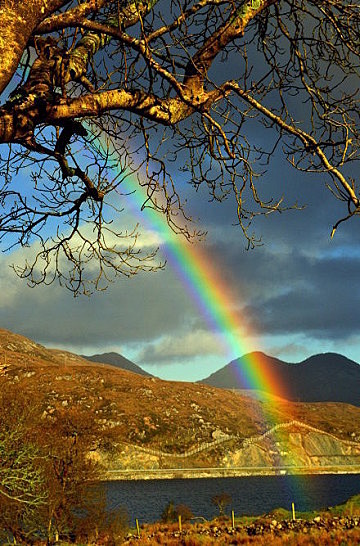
[18,20]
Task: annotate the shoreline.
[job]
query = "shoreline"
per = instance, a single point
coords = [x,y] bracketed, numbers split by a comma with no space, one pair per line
[198,473]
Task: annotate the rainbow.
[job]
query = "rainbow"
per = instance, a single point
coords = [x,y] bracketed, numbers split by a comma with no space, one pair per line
[207,290]
[206,287]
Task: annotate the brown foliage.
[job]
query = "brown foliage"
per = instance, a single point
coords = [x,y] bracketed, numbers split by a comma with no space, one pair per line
[56,500]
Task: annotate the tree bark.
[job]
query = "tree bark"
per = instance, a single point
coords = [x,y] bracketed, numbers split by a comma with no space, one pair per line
[234,27]
[18,20]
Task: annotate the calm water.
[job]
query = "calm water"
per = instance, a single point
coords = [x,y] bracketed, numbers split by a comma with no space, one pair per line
[147,499]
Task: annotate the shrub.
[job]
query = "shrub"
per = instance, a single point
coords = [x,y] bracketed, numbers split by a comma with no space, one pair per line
[221,501]
[171,513]
[184,511]
[168,514]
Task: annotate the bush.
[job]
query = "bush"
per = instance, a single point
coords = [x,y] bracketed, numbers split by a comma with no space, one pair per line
[221,501]
[184,511]
[171,513]
[168,514]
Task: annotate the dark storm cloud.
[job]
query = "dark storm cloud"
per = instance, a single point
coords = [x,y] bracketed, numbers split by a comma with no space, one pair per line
[321,299]
[130,311]
[294,288]
[299,282]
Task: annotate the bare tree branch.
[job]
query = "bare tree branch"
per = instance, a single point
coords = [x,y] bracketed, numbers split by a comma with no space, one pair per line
[107,89]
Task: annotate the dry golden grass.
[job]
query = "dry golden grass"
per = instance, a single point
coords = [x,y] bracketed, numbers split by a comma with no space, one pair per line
[192,538]
[132,406]
[336,526]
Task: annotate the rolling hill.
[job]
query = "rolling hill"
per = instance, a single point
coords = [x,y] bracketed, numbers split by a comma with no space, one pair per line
[327,377]
[154,424]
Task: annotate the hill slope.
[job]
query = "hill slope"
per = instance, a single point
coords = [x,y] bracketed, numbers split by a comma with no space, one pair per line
[327,377]
[165,424]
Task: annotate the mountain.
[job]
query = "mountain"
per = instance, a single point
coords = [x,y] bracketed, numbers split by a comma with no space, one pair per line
[150,424]
[327,377]
[114,359]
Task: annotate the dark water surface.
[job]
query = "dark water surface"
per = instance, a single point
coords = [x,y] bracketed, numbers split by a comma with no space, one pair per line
[146,499]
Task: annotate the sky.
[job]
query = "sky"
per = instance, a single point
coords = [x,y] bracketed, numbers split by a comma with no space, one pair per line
[294,296]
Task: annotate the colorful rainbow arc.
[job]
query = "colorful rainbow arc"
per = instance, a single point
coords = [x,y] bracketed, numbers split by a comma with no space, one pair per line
[207,290]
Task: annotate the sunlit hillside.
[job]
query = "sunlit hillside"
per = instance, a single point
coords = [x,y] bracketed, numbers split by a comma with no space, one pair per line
[149,420]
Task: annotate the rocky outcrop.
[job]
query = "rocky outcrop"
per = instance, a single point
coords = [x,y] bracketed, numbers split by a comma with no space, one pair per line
[291,447]
[295,445]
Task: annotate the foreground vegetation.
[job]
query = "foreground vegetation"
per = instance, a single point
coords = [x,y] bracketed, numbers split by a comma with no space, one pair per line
[339,525]
[314,538]
[48,477]
[60,416]
[48,493]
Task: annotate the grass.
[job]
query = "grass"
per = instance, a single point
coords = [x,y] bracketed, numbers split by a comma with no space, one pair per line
[329,529]
[351,507]
[314,537]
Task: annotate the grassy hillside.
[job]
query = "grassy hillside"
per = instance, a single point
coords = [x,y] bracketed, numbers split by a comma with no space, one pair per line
[167,416]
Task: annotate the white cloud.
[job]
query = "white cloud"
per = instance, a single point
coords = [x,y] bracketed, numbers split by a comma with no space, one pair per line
[138,309]
[184,346]
[288,288]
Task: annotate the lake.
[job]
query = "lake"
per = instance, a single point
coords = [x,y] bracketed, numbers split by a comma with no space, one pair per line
[146,499]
